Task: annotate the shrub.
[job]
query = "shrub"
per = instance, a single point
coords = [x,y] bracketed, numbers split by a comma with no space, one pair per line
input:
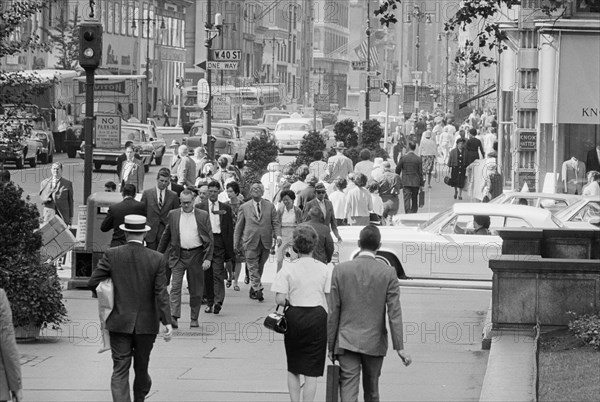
[587,328]
[313,141]
[32,287]
[345,131]
[260,152]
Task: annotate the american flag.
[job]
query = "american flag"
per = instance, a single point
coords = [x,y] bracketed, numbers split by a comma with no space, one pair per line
[361,52]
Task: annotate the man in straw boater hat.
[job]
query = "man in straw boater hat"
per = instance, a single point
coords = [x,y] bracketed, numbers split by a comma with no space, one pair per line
[141,303]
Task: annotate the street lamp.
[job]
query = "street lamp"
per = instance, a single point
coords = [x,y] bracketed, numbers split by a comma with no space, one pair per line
[147,21]
[419,16]
[447,35]
[320,71]
[274,41]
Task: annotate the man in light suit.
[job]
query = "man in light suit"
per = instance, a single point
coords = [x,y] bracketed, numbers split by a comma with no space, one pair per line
[158,201]
[326,207]
[361,291]
[256,228]
[117,213]
[189,234]
[184,168]
[221,221]
[56,193]
[141,303]
[410,169]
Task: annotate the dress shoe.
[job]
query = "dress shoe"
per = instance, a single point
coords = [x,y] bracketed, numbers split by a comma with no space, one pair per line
[217,308]
[174,322]
[252,294]
[208,309]
[194,324]
[247,280]
[259,295]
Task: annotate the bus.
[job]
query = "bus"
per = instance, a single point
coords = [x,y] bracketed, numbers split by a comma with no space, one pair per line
[247,102]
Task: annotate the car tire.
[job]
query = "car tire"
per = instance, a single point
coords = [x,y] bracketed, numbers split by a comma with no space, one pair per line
[158,160]
[33,161]
[43,159]
[97,166]
[71,151]
[20,162]
[392,261]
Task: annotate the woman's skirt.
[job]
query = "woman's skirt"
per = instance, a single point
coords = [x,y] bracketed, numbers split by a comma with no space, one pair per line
[306,340]
[286,243]
[428,163]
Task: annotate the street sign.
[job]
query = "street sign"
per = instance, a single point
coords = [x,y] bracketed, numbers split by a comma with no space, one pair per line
[373,73]
[226,55]
[108,131]
[222,65]
[374,95]
[202,65]
[203,96]
[221,107]
[322,102]
[359,65]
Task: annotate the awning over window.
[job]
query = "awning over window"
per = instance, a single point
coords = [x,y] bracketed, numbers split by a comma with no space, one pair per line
[485,92]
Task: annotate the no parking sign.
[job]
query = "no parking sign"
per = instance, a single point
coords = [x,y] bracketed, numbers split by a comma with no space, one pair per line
[108,131]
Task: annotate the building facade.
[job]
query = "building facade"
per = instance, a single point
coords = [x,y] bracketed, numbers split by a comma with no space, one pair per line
[549,95]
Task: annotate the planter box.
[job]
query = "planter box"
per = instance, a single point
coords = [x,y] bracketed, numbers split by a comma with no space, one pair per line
[28,333]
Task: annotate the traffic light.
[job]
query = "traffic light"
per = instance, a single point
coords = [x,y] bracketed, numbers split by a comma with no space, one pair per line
[386,88]
[90,45]
[179,82]
[392,87]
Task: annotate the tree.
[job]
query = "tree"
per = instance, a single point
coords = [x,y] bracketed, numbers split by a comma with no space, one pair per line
[311,142]
[345,131]
[65,36]
[260,152]
[480,12]
[371,137]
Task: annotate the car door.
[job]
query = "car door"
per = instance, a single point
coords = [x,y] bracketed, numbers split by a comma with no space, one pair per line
[223,136]
[466,256]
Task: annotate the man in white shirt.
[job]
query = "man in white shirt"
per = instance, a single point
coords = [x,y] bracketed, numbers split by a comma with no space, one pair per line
[190,236]
[339,164]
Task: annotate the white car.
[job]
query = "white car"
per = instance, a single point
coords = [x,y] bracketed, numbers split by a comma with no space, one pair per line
[585,210]
[437,250]
[290,132]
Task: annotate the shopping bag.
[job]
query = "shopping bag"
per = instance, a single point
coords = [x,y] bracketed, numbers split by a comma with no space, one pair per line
[106,302]
[333,383]
[421,198]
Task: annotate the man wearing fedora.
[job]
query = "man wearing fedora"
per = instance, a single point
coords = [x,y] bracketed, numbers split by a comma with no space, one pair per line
[117,213]
[326,207]
[190,236]
[141,303]
[339,164]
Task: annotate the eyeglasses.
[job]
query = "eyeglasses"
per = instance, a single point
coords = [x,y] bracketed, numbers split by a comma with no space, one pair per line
[186,202]
[321,192]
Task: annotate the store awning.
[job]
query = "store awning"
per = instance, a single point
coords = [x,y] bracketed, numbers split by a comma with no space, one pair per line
[485,92]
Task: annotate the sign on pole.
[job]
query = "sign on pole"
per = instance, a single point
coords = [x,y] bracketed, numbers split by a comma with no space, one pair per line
[203,96]
[226,55]
[108,131]
[221,108]
[222,65]
[359,65]
[373,73]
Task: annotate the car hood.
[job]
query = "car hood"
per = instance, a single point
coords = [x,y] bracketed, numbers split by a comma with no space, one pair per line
[389,233]
[412,219]
[290,135]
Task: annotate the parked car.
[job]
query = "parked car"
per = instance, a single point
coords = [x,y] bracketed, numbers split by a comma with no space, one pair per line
[154,136]
[227,138]
[42,133]
[27,150]
[141,143]
[584,210]
[440,249]
[346,113]
[272,117]
[249,132]
[550,201]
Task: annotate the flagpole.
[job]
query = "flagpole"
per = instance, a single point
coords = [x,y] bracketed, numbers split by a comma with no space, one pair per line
[368,32]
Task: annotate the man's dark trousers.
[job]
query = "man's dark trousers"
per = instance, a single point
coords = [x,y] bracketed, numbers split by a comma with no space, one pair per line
[351,364]
[124,347]
[217,267]
[411,199]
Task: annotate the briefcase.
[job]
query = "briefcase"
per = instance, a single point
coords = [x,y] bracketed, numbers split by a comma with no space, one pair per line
[333,383]
[421,198]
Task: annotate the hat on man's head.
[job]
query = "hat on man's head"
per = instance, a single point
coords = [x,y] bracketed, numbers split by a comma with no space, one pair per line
[320,187]
[174,144]
[339,145]
[135,224]
[311,179]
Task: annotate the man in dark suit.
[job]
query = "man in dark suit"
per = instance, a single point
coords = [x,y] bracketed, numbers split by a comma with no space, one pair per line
[141,303]
[158,201]
[123,157]
[256,227]
[326,207]
[190,237]
[324,248]
[361,291]
[592,162]
[116,214]
[410,169]
[56,193]
[308,194]
[221,221]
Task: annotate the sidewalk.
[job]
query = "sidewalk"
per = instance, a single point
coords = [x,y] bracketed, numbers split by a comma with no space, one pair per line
[232,357]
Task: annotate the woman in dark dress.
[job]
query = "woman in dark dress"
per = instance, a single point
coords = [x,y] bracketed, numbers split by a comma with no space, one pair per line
[301,285]
[458,165]
[473,147]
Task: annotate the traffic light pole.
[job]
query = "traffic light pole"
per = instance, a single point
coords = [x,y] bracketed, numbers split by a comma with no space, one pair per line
[208,109]
[88,135]
[367,92]
[387,117]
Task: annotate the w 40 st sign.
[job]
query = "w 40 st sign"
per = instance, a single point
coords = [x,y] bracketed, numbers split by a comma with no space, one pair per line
[226,55]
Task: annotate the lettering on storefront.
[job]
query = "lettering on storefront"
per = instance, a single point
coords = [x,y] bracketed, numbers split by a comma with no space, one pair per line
[527,140]
[589,112]
[118,86]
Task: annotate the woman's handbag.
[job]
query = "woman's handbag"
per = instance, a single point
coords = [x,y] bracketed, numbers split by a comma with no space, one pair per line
[448,181]
[276,321]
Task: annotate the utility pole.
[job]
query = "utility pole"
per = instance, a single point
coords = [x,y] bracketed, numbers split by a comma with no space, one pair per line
[212,31]
[367,92]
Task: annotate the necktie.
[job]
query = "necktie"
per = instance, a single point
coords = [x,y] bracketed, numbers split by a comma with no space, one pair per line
[258,208]
[160,200]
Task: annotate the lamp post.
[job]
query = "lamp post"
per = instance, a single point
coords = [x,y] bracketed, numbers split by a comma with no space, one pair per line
[368,89]
[320,71]
[419,16]
[274,41]
[212,30]
[147,21]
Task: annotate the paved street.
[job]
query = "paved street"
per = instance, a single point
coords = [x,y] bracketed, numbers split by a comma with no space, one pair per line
[232,357]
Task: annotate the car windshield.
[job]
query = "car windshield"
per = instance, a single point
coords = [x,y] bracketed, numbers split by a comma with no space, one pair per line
[434,223]
[293,127]
[251,132]
[572,212]
[501,199]
[130,134]
[273,118]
